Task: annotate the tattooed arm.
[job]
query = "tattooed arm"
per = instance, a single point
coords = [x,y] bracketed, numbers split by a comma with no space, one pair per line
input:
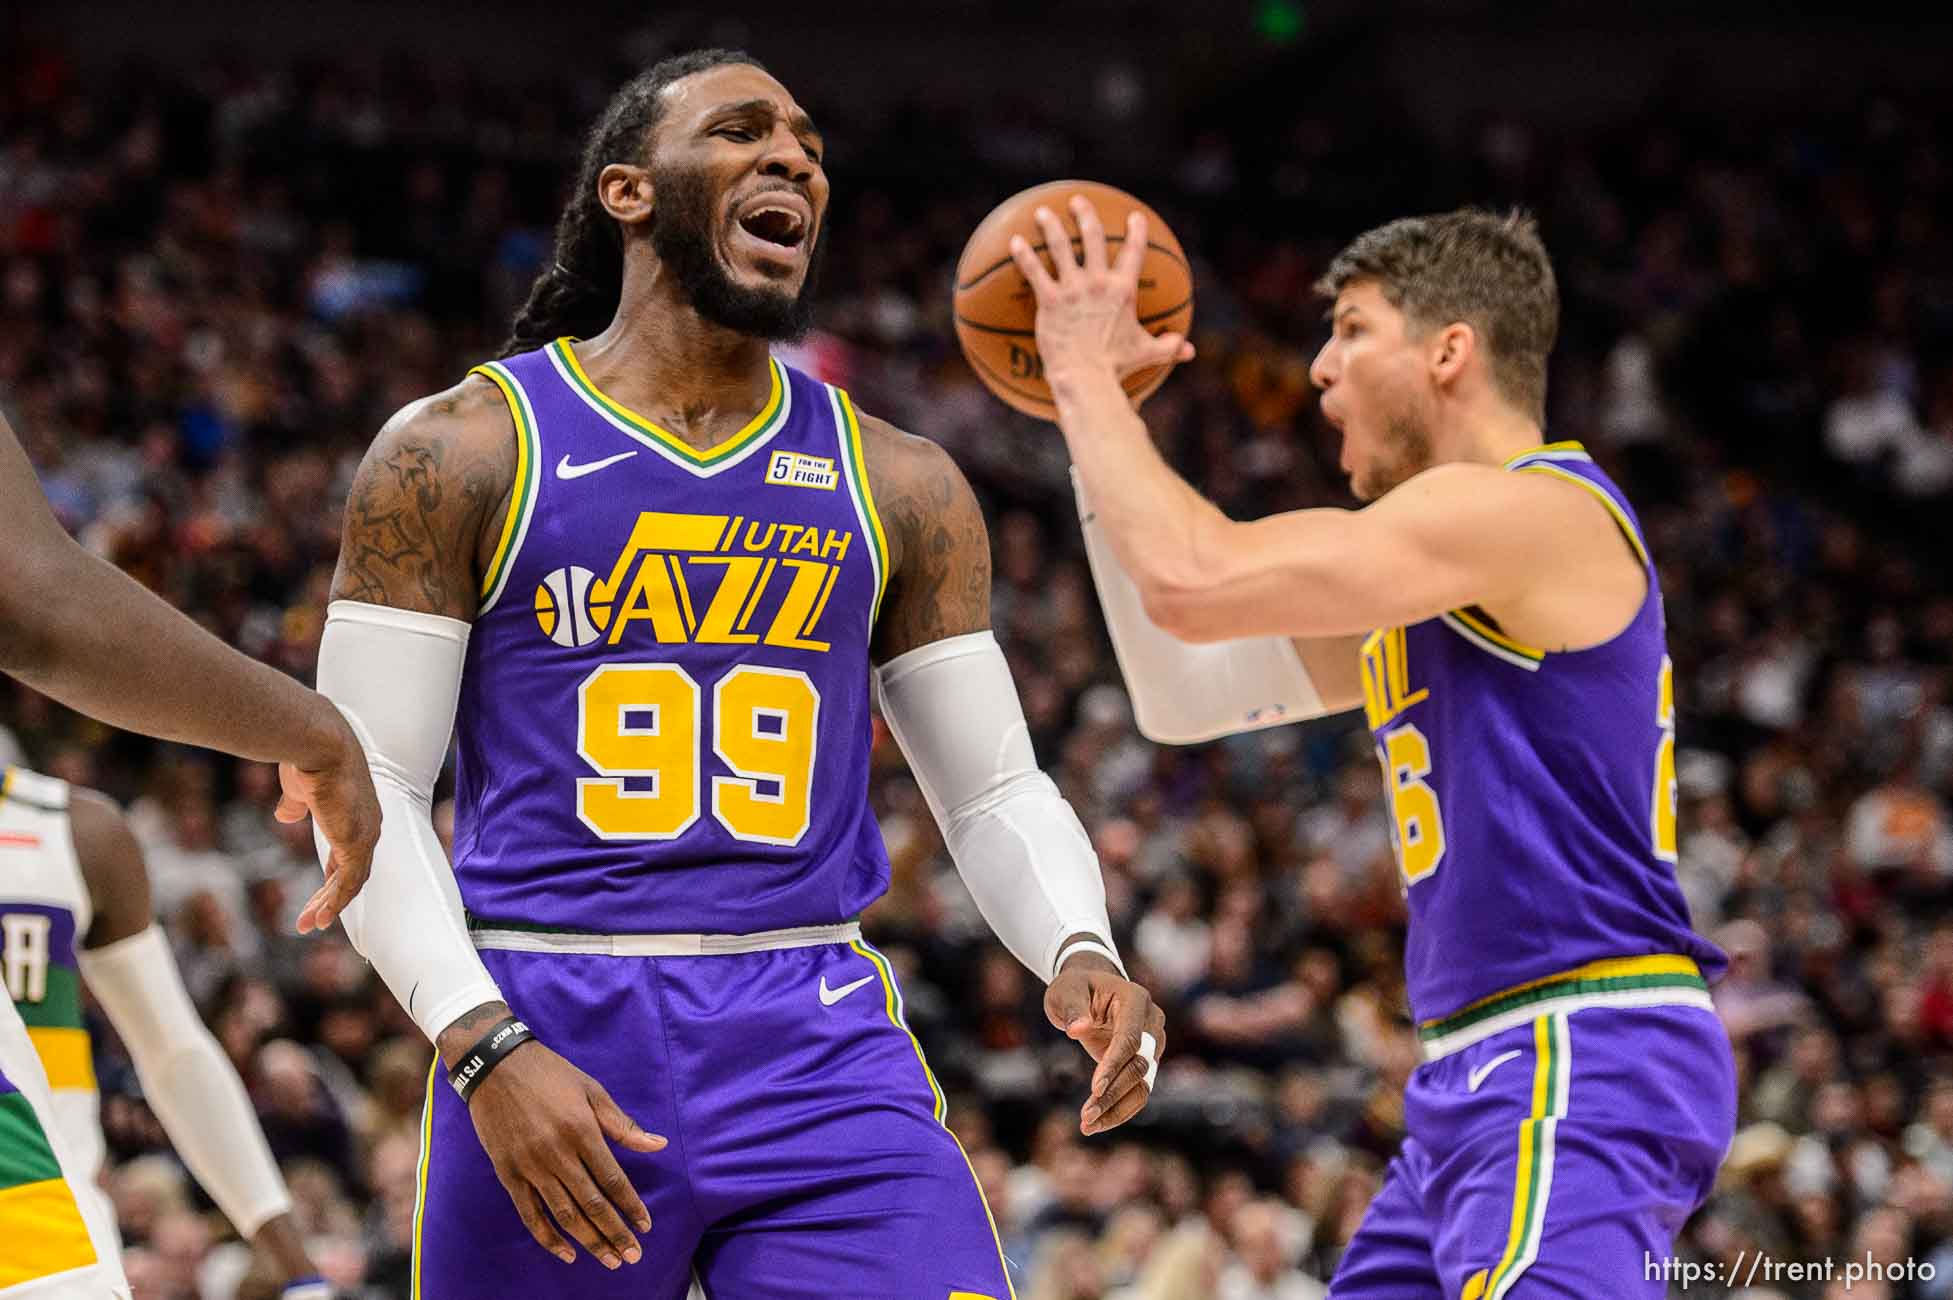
[948,697]
[428,503]
[424,515]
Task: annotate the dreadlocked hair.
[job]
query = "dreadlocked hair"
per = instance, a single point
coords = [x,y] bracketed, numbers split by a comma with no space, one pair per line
[577,293]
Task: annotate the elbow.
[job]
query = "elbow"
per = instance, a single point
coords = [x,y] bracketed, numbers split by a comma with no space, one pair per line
[1177,607]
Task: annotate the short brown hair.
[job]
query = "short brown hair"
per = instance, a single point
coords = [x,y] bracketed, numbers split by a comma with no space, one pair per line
[1487,270]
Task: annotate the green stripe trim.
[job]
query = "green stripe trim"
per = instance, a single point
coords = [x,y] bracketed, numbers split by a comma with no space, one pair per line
[901,1018]
[864,499]
[522,498]
[60,1008]
[1555,992]
[25,1156]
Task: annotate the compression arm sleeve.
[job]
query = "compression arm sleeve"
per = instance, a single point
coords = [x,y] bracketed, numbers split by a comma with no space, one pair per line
[1184,693]
[1018,845]
[396,675]
[186,1077]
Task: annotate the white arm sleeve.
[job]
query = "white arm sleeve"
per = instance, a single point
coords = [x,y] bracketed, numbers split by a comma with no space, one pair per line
[396,675]
[1184,693]
[186,1077]
[953,709]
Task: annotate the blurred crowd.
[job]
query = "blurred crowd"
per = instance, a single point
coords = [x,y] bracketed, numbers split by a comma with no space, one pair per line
[217,282]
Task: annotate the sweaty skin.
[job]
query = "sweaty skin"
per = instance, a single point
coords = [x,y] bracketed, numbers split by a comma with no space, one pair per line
[118,890]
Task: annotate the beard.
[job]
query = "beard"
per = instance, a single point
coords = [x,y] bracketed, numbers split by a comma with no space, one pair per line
[1405,453]
[682,236]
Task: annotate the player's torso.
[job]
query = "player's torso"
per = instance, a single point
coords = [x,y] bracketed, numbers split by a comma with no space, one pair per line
[1532,798]
[664,718]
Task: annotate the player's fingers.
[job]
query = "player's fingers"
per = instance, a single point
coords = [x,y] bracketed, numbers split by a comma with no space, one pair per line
[605,1213]
[291,809]
[1032,266]
[529,1206]
[1115,1086]
[1128,1104]
[1131,1009]
[619,1127]
[564,1208]
[1125,268]
[317,912]
[1057,242]
[1091,234]
[1170,348]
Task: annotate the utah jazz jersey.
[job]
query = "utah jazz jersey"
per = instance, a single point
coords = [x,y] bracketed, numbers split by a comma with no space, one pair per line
[664,716]
[1533,802]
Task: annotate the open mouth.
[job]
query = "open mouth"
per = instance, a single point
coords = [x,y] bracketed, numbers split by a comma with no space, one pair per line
[775,223]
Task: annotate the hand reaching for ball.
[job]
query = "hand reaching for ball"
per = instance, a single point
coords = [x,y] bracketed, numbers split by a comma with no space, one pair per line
[1086,318]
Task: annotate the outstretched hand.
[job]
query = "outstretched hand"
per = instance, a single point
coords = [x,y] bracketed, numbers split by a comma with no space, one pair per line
[1110,1017]
[1087,317]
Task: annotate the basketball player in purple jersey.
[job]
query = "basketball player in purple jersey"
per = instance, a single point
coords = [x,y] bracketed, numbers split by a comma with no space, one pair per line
[641,570]
[1495,612]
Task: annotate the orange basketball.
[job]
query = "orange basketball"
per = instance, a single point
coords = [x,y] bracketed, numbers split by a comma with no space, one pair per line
[996,310]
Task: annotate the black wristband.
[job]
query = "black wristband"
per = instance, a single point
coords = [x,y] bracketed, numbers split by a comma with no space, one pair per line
[489,1051]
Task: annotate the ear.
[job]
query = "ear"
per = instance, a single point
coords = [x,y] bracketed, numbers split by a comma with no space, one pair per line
[1451,350]
[625,191]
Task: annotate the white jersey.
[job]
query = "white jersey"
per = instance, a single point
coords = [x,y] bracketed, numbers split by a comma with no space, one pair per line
[45,1054]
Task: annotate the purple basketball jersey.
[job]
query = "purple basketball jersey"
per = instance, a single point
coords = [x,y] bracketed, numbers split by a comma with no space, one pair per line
[664,718]
[1533,794]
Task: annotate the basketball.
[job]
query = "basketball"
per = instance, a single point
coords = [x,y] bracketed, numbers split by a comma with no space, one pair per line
[996,311]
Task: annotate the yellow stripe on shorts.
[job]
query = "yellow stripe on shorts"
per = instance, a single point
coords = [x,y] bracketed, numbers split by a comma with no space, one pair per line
[1533,1182]
[43,1232]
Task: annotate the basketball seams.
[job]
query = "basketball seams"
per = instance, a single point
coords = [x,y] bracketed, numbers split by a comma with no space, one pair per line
[1155,318]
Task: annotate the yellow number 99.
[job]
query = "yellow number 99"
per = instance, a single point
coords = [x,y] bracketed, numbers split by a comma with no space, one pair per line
[642,721]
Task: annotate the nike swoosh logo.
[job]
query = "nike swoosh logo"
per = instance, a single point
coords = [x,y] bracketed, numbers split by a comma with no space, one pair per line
[566,470]
[830,996]
[1477,1076]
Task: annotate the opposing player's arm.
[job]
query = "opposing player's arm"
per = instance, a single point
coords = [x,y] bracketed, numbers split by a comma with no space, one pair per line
[948,697]
[1527,548]
[81,631]
[185,1075]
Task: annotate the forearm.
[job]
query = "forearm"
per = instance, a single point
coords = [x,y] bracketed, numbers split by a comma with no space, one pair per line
[1154,520]
[1184,692]
[84,633]
[186,1077]
[1020,848]
[397,675]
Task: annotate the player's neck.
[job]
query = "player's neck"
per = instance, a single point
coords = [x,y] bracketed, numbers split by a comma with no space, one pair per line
[1492,433]
[660,358]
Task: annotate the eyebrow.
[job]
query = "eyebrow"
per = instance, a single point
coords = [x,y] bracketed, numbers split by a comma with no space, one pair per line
[797,121]
[1333,314]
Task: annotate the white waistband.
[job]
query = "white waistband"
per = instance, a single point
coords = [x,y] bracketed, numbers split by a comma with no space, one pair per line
[666,945]
[1435,1048]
